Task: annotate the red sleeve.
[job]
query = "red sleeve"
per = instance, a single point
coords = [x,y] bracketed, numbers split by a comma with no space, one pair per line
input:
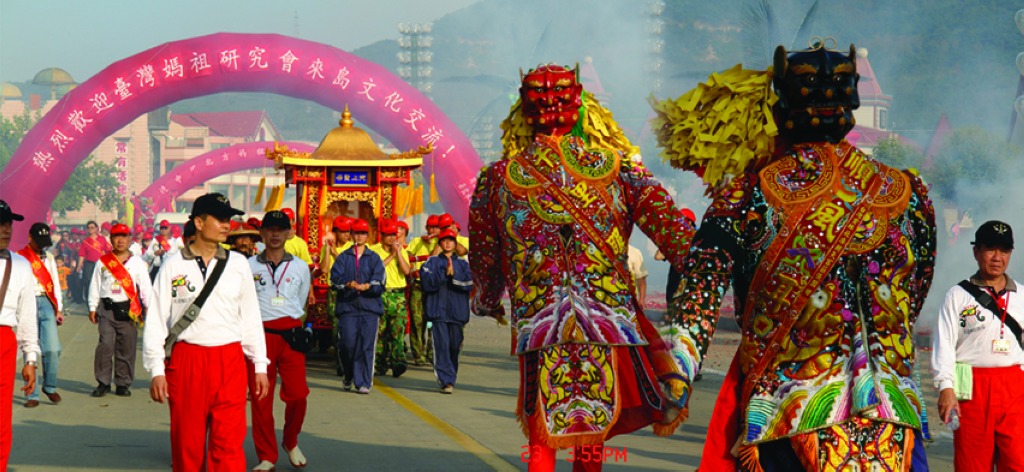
[485,222]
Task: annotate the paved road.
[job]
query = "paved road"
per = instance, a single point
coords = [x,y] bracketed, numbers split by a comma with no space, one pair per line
[404,424]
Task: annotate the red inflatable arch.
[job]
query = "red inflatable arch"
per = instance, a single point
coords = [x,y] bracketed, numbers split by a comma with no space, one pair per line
[233,62]
[199,169]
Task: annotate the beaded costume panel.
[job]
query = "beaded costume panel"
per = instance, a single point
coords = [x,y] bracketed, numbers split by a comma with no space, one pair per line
[849,351]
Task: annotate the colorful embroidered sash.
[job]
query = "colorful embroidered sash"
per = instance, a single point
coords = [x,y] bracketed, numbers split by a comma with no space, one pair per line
[120,273]
[42,275]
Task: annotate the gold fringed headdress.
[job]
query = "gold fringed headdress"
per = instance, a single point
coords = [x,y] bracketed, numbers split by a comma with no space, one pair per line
[596,126]
[721,128]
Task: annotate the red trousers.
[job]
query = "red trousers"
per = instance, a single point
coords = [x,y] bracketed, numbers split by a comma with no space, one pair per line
[291,366]
[8,357]
[992,422]
[206,388]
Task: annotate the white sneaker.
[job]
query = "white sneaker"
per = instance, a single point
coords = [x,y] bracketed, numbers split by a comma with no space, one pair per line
[447,389]
[296,458]
[265,466]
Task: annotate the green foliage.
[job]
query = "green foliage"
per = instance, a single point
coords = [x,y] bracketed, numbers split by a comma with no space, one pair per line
[971,157]
[92,181]
[892,152]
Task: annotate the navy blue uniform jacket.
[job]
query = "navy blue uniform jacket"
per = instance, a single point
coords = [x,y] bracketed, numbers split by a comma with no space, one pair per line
[371,270]
[447,298]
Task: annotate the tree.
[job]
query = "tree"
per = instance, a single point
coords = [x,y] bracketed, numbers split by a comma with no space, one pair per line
[92,181]
[892,152]
[972,158]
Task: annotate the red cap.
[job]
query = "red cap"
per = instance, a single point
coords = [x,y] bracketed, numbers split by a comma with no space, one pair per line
[403,225]
[360,226]
[289,213]
[388,227]
[53,228]
[342,223]
[164,223]
[689,214]
[106,226]
[446,233]
[234,225]
[139,229]
[254,222]
[147,235]
[176,231]
[432,220]
[120,229]
[445,220]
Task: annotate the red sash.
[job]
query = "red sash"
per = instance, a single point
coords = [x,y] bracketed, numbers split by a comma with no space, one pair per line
[117,269]
[162,241]
[42,275]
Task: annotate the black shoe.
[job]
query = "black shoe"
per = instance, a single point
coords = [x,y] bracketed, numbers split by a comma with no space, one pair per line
[123,392]
[101,390]
[398,370]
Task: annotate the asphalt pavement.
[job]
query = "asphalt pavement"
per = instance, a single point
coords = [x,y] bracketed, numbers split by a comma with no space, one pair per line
[403,424]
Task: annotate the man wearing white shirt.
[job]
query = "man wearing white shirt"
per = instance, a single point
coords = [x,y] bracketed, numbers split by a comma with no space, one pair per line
[978,360]
[160,247]
[17,313]
[119,289]
[204,380]
[49,310]
[282,286]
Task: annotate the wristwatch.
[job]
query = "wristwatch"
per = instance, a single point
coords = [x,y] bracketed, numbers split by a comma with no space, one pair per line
[31,363]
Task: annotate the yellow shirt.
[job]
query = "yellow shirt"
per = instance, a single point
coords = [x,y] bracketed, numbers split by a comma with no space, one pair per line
[421,248]
[298,248]
[463,240]
[393,276]
[327,257]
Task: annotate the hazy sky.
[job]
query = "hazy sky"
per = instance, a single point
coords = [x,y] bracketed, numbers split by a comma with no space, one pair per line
[84,36]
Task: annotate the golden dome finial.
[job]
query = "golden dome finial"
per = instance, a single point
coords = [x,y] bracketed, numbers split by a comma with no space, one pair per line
[346,118]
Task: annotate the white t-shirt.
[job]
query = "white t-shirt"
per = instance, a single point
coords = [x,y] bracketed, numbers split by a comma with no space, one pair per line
[288,284]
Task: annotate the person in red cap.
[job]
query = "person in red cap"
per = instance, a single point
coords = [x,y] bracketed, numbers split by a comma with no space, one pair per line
[162,246]
[403,232]
[199,366]
[419,251]
[49,310]
[445,221]
[136,247]
[447,283]
[282,285]
[105,229]
[119,290]
[391,332]
[93,247]
[357,277]
[295,245]
[18,326]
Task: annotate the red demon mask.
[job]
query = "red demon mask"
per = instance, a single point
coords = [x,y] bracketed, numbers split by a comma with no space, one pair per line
[551,99]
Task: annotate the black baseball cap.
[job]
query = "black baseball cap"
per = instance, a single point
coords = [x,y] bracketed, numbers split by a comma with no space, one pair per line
[6,214]
[40,233]
[276,219]
[994,234]
[214,204]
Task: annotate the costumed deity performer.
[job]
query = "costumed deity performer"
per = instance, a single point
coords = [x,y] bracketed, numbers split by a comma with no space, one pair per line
[830,255]
[550,223]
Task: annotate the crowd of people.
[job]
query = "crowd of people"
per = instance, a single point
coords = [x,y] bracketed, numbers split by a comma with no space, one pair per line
[133,281]
[830,255]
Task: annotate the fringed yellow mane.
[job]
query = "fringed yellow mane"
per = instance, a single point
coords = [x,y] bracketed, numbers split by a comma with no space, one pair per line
[720,128]
[598,128]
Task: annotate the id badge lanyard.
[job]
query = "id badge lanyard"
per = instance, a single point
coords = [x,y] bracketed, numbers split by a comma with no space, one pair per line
[1001,346]
[278,300]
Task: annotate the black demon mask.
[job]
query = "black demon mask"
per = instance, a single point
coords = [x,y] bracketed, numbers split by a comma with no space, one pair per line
[817,93]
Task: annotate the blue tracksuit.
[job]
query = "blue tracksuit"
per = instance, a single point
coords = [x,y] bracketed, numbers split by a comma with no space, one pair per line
[447,308]
[358,312]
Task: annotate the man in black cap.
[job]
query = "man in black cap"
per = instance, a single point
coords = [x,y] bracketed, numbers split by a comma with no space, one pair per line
[49,309]
[17,313]
[204,380]
[978,359]
[282,284]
